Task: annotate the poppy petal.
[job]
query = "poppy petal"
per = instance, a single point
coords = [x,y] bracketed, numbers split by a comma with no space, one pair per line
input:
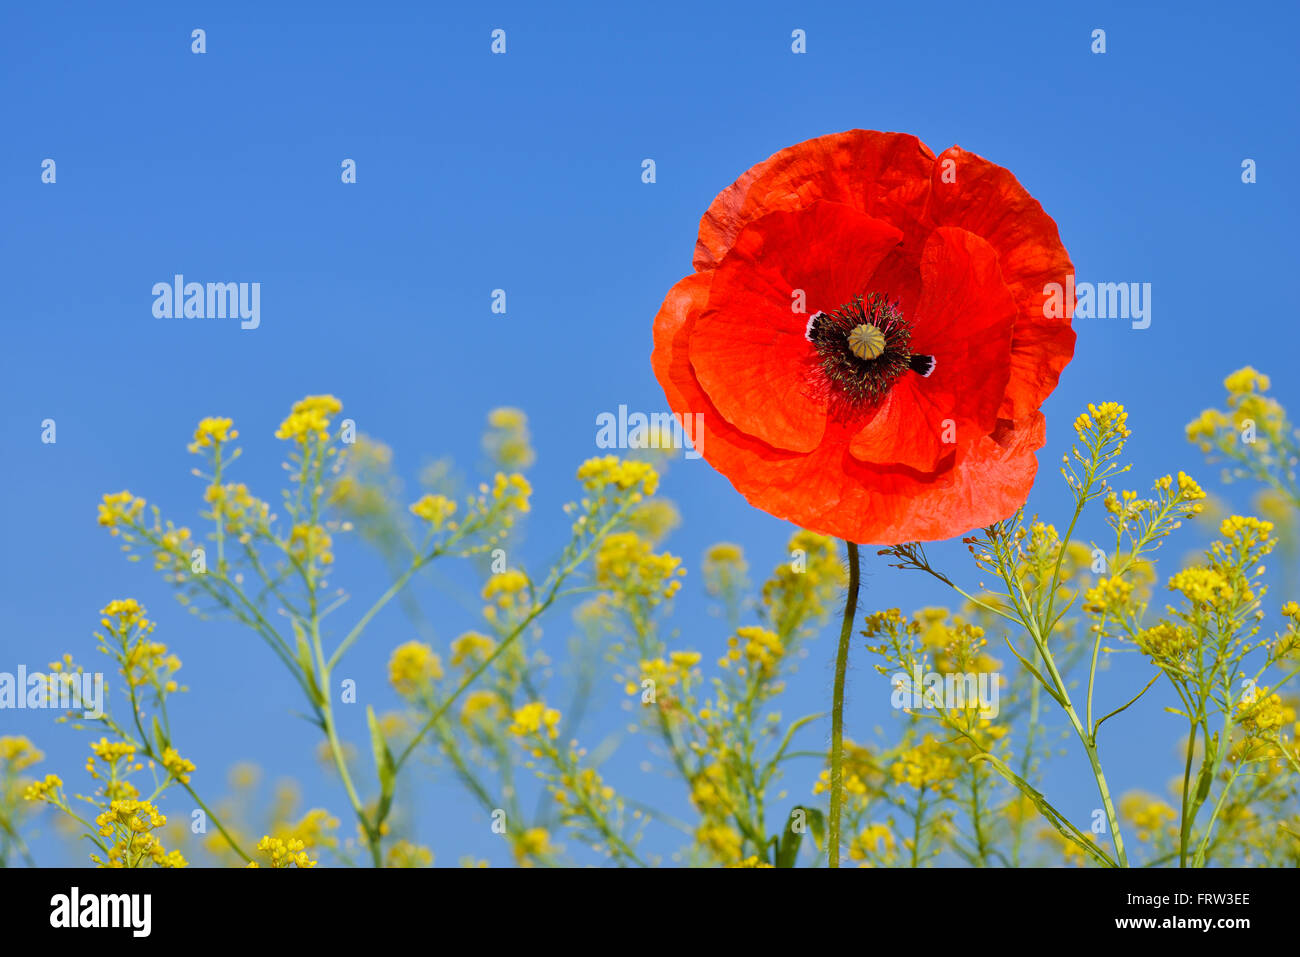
[989,201]
[749,349]
[885,175]
[963,318]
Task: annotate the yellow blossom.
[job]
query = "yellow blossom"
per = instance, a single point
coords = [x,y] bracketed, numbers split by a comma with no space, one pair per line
[608,471]
[284,854]
[309,419]
[212,432]
[471,649]
[412,666]
[434,509]
[119,508]
[533,718]
[177,765]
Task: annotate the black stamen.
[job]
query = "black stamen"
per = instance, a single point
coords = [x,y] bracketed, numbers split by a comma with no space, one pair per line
[861,381]
[922,365]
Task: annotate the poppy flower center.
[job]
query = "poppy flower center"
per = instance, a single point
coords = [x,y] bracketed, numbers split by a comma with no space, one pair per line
[863,347]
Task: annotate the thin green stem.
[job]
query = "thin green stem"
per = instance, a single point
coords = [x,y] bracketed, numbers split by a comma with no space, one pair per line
[837,710]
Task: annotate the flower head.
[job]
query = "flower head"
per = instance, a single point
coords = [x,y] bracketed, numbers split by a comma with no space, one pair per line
[212,432]
[867,339]
[412,666]
[309,419]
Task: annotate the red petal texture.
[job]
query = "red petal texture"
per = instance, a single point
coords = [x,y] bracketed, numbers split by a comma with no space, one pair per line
[962,248]
[749,351]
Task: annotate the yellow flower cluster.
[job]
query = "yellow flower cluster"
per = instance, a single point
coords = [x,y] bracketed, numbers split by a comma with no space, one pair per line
[577,788]
[173,550]
[178,766]
[1109,597]
[628,566]
[434,509]
[1167,643]
[283,853]
[1248,534]
[1246,380]
[752,861]
[309,419]
[761,648]
[128,613]
[854,786]
[956,645]
[511,491]
[482,707]
[120,508]
[724,568]
[535,718]
[405,854]
[1206,427]
[507,592]
[18,753]
[721,840]
[1189,490]
[44,790]
[532,843]
[1202,586]
[654,518]
[1148,813]
[508,441]
[926,765]
[1106,421]
[805,587]
[115,777]
[471,649]
[1249,409]
[666,675]
[873,839]
[314,829]
[1264,714]
[130,824]
[111,752]
[311,542]
[212,432]
[412,667]
[611,472]
[239,510]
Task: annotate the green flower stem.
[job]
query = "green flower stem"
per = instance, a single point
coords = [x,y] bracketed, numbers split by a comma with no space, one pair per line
[837,710]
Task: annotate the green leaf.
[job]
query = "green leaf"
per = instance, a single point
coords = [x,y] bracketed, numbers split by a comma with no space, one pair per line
[817,823]
[1206,777]
[1051,814]
[1203,783]
[159,739]
[303,655]
[383,756]
[787,846]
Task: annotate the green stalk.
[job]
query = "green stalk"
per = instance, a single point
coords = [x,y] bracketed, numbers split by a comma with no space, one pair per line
[837,710]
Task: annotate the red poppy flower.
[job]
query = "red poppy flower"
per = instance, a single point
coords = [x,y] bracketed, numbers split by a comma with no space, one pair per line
[864,338]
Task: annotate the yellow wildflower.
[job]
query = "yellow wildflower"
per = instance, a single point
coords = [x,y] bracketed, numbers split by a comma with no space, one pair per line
[533,718]
[212,432]
[434,509]
[412,666]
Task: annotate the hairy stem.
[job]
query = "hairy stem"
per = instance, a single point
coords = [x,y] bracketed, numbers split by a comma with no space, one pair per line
[837,710]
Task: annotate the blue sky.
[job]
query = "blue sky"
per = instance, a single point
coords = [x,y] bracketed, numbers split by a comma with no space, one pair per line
[522,172]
